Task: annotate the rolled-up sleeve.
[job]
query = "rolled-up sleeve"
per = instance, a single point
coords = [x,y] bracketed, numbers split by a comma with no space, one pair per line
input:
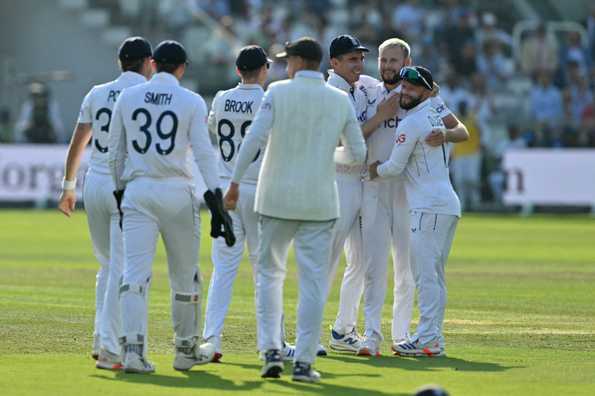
[256,136]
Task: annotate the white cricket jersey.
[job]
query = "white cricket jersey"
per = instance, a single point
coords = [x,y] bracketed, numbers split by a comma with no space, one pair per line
[425,167]
[231,114]
[359,96]
[381,142]
[153,127]
[96,109]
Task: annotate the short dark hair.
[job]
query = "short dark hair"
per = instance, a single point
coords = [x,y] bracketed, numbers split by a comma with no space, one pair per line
[311,64]
[135,65]
[250,74]
[167,67]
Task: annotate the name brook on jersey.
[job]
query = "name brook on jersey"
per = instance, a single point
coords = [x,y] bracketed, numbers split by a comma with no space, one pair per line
[158,98]
[237,106]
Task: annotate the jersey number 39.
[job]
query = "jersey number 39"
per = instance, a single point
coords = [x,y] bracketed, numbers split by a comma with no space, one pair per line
[170,135]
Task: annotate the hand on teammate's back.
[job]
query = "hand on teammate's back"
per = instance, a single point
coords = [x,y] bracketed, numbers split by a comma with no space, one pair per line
[388,107]
[67,202]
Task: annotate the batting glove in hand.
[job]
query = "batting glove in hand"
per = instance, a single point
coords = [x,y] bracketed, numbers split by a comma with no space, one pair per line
[221,223]
[119,195]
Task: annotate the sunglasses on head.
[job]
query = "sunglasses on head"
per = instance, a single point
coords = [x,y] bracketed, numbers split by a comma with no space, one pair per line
[413,76]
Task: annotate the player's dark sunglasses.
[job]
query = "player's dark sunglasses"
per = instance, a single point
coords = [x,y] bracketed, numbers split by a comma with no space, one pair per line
[413,76]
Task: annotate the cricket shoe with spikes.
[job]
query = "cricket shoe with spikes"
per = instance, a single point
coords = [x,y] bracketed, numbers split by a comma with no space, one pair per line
[188,357]
[108,360]
[416,348]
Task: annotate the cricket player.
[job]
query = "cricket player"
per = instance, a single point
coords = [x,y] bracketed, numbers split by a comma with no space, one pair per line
[231,114]
[347,57]
[296,197]
[433,203]
[385,212]
[134,57]
[154,127]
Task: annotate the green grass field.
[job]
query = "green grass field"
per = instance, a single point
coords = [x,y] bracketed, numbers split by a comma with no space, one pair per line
[520,318]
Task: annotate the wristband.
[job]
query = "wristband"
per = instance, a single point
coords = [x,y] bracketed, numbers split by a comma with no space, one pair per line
[68,184]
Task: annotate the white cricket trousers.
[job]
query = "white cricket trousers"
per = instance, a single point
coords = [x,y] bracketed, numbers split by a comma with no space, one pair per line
[311,240]
[167,207]
[431,238]
[226,261]
[347,235]
[103,219]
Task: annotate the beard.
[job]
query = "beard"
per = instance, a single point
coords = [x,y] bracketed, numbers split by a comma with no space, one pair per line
[390,80]
[411,104]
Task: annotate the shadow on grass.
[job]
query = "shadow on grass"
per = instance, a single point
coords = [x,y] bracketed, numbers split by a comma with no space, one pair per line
[193,379]
[207,380]
[424,363]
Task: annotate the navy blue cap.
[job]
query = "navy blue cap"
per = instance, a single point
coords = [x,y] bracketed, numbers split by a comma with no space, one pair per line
[171,52]
[305,47]
[134,48]
[345,44]
[252,57]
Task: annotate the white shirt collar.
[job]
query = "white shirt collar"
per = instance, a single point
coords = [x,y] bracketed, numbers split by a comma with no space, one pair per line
[338,82]
[133,77]
[309,74]
[165,78]
[420,106]
[250,86]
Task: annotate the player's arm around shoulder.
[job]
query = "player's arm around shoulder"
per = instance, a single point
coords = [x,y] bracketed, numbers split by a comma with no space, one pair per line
[407,136]
[454,131]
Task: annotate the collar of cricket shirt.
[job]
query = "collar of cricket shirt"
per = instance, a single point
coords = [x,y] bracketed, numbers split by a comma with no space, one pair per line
[310,74]
[420,106]
[167,78]
[337,81]
[250,86]
[132,77]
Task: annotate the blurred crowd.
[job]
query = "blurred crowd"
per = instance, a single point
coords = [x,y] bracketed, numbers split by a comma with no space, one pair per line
[533,92]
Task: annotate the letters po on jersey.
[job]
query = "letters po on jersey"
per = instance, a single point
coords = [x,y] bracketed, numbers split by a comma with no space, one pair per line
[231,114]
[97,109]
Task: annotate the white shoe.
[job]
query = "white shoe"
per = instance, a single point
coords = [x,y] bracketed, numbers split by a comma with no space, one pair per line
[415,348]
[216,341]
[108,361]
[288,352]
[136,363]
[370,346]
[196,355]
[349,342]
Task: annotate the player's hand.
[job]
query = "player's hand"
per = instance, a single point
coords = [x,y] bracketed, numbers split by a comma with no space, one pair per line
[388,107]
[67,202]
[373,170]
[232,195]
[437,137]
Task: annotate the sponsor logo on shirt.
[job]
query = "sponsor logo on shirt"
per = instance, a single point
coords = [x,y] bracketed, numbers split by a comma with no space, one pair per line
[401,138]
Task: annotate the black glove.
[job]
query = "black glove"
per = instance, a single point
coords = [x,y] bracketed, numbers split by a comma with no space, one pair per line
[119,195]
[221,223]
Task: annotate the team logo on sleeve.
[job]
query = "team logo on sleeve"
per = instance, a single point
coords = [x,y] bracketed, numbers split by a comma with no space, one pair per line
[267,106]
[401,138]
